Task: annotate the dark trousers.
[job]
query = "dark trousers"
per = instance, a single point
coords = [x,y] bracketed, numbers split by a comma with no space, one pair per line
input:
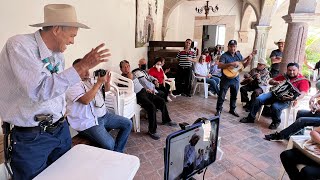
[183,80]
[291,158]
[32,152]
[164,90]
[151,103]
[256,91]
[304,118]
[225,84]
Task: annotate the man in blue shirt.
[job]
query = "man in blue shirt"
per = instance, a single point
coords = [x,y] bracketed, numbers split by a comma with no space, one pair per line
[230,60]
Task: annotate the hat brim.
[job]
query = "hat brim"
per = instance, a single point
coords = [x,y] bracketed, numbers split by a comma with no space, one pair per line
[276,43]
[69,24]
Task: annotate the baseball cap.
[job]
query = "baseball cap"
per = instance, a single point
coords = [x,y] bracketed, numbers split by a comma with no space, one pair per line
[232,42]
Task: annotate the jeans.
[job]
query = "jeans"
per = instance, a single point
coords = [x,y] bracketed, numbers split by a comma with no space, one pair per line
[32,152]
[304,118]
[276,106]
[291,158]
[225,84]
[100,135]
[214,82]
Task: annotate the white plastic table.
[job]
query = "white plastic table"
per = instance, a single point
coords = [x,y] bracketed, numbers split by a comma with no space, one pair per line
[87,162]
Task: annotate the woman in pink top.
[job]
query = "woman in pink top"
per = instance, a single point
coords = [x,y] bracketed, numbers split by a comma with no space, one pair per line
[157,72]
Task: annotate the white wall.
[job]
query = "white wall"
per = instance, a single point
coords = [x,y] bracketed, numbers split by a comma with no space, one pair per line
[212,32]
[182,28]
[112,22]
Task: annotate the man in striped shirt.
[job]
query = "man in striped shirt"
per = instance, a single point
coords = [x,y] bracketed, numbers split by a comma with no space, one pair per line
[184,73]
[33,85]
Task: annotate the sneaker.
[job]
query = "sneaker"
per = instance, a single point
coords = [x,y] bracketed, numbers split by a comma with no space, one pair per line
[168,98]
[173,95]
[154,136]
[274,125]
[210,93]
[273,137]
[218,113]
[170,123]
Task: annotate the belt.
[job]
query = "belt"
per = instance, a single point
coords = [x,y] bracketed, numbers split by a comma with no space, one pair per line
[50,128]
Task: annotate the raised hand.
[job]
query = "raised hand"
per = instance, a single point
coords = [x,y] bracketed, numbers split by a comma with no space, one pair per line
[93,58]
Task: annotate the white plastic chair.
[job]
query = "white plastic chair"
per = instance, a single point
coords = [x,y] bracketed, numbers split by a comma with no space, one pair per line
[123,99]
[200,81]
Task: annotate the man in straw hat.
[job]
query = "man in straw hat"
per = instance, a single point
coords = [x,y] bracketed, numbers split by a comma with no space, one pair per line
[276,57]
[33,83]
[255,81]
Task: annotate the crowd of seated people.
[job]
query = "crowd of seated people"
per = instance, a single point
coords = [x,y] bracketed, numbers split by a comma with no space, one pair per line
[279,103]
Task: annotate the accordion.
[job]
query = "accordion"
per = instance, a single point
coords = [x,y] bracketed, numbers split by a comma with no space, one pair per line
[285,89]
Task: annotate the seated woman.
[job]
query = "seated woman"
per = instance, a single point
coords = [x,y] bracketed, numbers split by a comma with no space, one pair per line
[213,68]
[201,69]
[157,72]
[291,158]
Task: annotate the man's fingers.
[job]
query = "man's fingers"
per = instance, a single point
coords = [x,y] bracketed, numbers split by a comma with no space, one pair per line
[103,51]
[98,47]
[105,56]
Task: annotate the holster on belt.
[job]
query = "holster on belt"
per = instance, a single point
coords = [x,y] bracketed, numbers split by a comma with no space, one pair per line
[7,145]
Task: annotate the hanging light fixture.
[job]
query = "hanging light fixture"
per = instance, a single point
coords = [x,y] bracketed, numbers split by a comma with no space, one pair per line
[206,9]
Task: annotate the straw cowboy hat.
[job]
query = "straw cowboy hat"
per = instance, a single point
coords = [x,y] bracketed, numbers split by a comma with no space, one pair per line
[60,15]
[280,41]
[263,61]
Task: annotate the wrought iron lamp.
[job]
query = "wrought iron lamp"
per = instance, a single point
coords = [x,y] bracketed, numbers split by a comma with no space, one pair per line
[206,9]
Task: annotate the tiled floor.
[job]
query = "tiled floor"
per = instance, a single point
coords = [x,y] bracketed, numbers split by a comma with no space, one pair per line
[247,154]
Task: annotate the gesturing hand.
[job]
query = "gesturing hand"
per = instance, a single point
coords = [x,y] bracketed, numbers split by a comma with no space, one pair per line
[93,58]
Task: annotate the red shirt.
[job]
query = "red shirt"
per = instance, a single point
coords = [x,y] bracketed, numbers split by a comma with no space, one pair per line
[302,85]
[157,74]
[208,59]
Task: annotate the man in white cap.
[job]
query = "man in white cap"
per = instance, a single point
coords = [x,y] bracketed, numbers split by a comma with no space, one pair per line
[255,81]
[33,83]
[276,57]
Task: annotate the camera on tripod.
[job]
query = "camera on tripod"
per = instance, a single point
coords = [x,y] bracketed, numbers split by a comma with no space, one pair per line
[99,73]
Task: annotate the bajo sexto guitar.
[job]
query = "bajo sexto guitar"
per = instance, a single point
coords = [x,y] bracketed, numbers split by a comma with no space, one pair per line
[232,72]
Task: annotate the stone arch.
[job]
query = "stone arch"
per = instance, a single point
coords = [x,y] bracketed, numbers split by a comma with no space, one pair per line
[169,6]
[244,22]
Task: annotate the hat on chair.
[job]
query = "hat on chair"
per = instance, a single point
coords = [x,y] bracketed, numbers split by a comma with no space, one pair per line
[60,15]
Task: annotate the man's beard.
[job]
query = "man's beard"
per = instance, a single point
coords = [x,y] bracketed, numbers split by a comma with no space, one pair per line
[291,77]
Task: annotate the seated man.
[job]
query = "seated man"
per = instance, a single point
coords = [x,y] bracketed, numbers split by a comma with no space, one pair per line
[147,81]
[256,80]
[87,113]
[279,103]
[292,157]
[304,118]
[149,101]
[201,69]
